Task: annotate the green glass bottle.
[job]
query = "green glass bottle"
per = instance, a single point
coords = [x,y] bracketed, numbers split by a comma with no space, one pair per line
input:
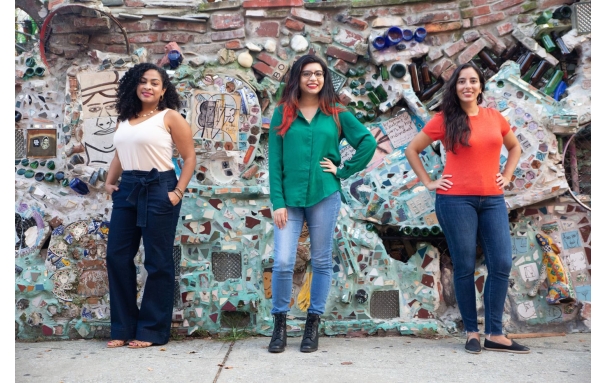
[34,164]
[351,72]
[384,73]
[381,93]
[544,17]
[416,231]
[529,73]
[374,99]
[548,43]
[425,232]
[368,86]
[435,230]
[553,82]
[354,84]
[407,230]
[360,116]
[371,115]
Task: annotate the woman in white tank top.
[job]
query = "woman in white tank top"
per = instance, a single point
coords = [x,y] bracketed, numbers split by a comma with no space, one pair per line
[146,204]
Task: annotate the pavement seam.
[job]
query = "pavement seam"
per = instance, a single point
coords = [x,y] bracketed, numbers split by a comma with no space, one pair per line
[224,361]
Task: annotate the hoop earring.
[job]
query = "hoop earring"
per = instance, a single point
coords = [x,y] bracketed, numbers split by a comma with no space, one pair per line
[161,97]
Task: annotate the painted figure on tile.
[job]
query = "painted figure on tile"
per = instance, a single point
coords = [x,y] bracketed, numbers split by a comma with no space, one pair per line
[99,115]
[552,269]
[305,184]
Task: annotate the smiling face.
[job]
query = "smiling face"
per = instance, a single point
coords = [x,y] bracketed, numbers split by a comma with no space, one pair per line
[309,82]
[468,86]
[150,89]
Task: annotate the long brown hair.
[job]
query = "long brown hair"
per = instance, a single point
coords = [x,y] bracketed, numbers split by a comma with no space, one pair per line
[456,121]
[292,93]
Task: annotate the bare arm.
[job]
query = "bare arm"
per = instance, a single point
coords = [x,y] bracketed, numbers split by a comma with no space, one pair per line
[514,152]
[115,171]
[182,136]
[416,146]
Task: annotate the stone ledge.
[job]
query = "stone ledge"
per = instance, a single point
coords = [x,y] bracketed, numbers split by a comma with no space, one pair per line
[327,4]
[374,3]
[220,5]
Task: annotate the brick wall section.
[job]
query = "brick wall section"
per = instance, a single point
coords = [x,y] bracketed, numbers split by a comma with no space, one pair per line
[440,66]
[505,28]
[487,19]
[271,3]
[348,38]
[177,37]
[160,25]
[455,48]
[471,51]
[472,35]
[471,24]
[134,3]
[517,10]
[342,54]
[222,21]
[307,16]
[228,35]
[267,29]
[550,3]
[496,44]
[443,27]
[432,17]
[477,11]
[505,4]
[293,24]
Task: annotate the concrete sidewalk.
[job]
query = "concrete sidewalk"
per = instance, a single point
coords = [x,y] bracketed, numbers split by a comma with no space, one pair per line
[371,359]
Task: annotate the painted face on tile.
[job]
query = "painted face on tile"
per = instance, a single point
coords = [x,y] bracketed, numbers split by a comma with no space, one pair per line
[468,85]
[150,89]
[311,79]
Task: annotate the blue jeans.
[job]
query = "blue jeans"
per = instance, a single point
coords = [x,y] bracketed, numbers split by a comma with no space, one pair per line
[321,221]
[465,220]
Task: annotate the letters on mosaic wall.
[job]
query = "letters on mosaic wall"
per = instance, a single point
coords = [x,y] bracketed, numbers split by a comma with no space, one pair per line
[391,266]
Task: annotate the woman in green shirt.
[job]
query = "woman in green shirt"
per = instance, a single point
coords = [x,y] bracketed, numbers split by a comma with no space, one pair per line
[304,137]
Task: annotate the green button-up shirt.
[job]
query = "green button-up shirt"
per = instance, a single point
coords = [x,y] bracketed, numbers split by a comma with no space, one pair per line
[295,176]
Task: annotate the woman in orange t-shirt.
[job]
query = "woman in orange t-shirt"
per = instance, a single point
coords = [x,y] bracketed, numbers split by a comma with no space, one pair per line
[470,205]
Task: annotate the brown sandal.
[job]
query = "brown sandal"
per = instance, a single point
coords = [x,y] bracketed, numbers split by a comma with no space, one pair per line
[139,344]
[116,343]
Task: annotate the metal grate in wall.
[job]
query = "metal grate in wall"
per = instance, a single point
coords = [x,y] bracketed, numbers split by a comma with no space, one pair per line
[581,17]
[177,292]
[385,304]
[226,266]
[19,144]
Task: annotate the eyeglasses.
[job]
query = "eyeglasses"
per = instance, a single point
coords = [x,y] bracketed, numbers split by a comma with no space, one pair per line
[307,74]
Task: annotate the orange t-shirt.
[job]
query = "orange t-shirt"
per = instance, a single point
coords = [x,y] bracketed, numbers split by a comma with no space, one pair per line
[474,168]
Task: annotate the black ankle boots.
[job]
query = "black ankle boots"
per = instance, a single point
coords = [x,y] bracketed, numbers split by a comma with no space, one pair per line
[278,339]
[310,336]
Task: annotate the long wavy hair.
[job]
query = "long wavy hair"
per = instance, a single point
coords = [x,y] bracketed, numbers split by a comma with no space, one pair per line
[129,105]
[456,121]
[292,93]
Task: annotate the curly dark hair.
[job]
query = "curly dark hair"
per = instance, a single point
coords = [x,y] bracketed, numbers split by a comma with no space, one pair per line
[456,121]
[129,105]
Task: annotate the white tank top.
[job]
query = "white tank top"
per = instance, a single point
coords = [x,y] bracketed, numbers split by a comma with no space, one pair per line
[146,145]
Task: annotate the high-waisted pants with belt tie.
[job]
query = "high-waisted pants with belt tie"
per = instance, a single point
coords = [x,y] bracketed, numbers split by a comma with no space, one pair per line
[142,209]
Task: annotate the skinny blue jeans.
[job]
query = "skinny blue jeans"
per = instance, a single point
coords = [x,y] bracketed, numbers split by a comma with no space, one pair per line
[465,221]
[321,221]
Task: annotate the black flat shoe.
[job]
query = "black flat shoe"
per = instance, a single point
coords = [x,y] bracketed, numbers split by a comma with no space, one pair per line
[473,346]
[515,347]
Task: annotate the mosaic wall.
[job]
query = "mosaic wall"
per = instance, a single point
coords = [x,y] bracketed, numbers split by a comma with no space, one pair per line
[391,267]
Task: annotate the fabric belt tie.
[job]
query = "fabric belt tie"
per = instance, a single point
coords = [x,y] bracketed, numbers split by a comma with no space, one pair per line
[138,196]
